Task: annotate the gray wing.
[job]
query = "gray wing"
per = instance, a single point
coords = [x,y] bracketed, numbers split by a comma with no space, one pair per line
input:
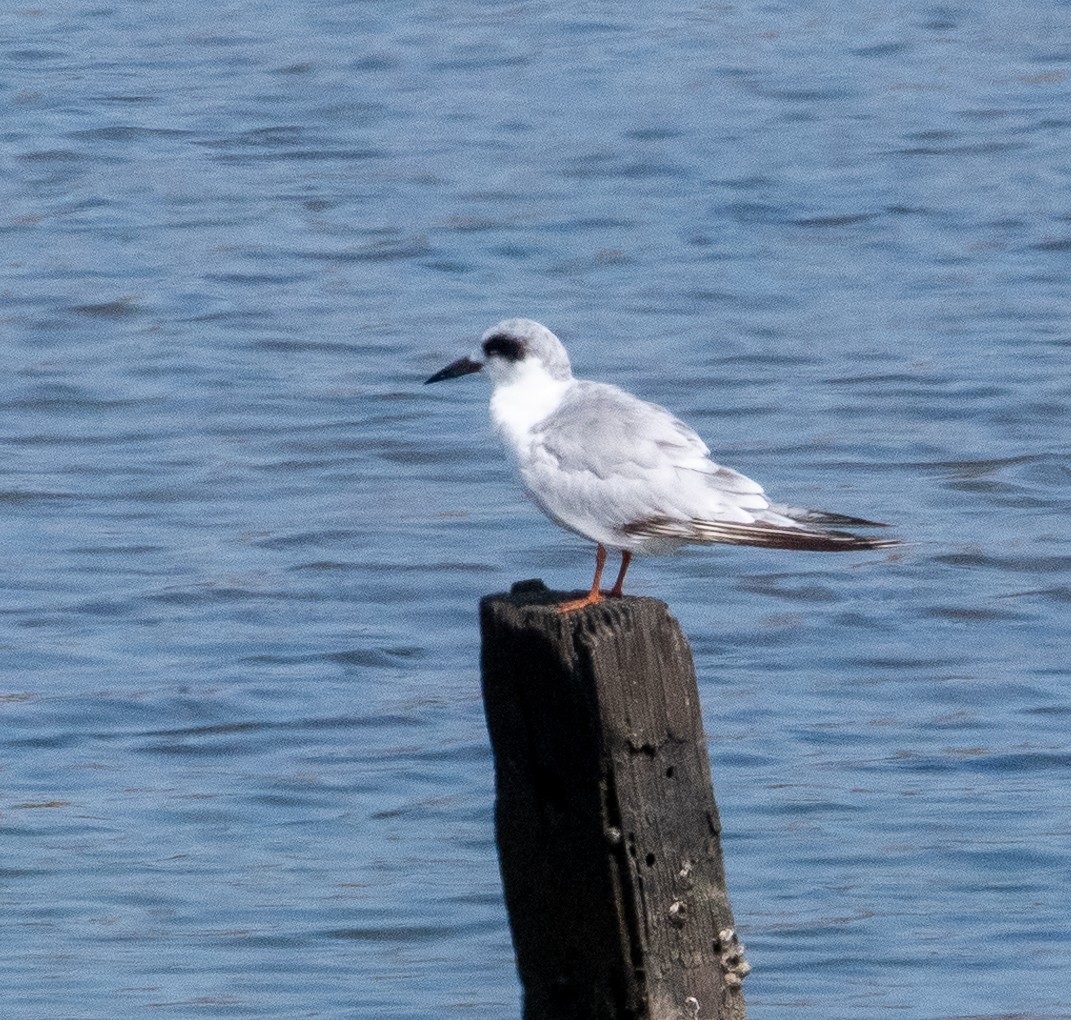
[605,455]
[604,452]
[601,429]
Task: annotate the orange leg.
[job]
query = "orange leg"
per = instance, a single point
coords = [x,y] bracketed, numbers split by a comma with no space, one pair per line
[594,595]
[626,559]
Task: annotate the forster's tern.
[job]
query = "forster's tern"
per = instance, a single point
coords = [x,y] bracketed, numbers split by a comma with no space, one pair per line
[622,472]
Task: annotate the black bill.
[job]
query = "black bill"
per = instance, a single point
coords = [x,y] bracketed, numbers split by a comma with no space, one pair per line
[463,366]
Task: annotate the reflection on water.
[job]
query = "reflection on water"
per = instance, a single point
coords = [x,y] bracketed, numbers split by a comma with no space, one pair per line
[244,765]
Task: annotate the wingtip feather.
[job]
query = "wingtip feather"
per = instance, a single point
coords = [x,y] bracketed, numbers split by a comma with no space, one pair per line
[768,536]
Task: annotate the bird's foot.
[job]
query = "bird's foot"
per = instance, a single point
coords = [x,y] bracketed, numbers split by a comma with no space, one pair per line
[593,597]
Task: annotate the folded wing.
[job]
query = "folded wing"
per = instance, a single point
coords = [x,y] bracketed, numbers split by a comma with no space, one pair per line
[620,470]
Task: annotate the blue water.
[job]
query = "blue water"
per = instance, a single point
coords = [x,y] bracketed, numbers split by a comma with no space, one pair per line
[243,765]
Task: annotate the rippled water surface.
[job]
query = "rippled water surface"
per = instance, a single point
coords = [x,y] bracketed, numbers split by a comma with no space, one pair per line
[243,763]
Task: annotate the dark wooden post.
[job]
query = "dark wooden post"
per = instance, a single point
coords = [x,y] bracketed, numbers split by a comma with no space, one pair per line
[605,816]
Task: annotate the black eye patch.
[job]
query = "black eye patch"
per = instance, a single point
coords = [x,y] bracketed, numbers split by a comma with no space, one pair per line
[504,346]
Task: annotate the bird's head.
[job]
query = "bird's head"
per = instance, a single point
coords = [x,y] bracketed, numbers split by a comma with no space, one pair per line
[512,349]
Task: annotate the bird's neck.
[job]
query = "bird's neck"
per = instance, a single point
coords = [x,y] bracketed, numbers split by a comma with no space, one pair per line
[523,401]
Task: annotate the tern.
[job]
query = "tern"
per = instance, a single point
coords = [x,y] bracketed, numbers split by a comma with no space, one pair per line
[624,473]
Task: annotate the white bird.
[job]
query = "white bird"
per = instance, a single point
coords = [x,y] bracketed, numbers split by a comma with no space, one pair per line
[624,473]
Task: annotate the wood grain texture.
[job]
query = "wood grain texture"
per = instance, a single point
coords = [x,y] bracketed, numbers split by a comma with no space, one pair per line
[607,827]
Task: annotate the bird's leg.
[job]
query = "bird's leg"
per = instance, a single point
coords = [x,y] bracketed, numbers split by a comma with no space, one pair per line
[626,559]
[594,595]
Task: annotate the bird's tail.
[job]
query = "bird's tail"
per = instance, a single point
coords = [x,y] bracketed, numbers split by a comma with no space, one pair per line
[822,517]
[769,536]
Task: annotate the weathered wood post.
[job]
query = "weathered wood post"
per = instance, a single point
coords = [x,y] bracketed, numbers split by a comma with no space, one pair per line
[605,816]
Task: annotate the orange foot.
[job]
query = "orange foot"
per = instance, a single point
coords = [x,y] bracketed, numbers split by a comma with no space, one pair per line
[593,597]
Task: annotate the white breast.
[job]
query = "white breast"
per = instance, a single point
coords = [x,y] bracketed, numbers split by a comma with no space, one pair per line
[523,401]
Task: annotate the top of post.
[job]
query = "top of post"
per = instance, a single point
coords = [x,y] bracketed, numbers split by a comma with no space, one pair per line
[532,605]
